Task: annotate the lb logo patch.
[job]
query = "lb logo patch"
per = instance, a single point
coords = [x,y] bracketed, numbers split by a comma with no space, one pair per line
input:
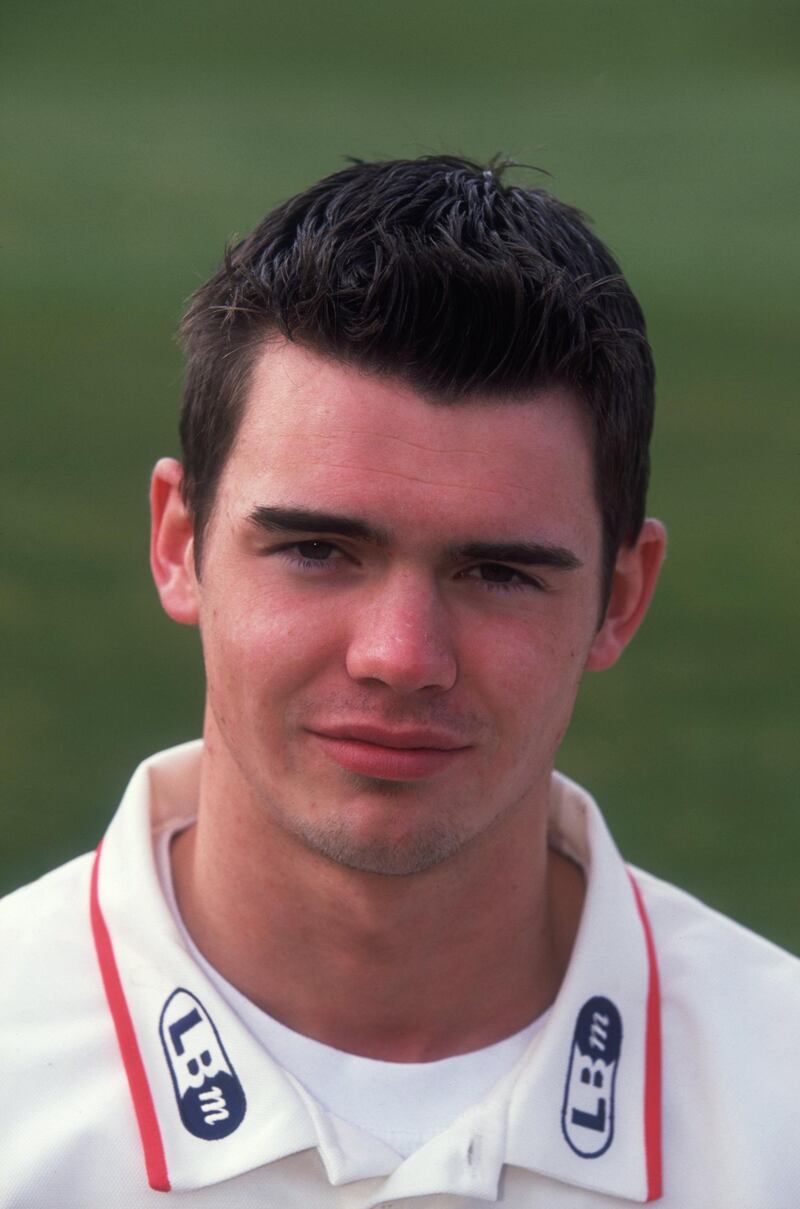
[587,1117]
[210,1097]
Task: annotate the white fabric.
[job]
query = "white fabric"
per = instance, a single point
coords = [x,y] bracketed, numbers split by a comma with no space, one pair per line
[69,1137]
[405,1104]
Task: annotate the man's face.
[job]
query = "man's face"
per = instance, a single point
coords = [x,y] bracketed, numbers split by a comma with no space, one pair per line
[397,601]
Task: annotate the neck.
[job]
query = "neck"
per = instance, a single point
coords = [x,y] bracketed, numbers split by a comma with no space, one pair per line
[401,968]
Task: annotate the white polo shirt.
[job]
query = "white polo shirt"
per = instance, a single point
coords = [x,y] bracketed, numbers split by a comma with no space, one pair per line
[666,1070]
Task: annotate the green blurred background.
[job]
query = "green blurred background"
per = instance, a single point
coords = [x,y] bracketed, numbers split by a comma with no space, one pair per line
[139,138]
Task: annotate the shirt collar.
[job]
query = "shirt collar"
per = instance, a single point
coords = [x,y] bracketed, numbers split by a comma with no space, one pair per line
[599,1058]
[582,1107]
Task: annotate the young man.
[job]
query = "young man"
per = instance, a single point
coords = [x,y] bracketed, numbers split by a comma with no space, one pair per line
[363,946]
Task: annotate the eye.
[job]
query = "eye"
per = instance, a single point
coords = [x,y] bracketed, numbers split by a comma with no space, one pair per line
[312,555]
[498,577]
[315,551]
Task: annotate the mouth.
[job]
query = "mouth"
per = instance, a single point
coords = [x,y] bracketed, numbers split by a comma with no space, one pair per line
[393,755]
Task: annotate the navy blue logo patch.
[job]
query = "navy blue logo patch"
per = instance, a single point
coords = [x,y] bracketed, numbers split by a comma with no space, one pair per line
[210,1097]
[587,1117]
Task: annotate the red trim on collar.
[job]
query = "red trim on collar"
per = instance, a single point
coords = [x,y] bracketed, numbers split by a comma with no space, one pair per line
[652,1077]
[149,1131]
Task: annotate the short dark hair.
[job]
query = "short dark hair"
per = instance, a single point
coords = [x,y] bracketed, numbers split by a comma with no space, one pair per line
[436,272]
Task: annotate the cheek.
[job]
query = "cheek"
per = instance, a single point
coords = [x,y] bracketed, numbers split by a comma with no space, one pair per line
[532,676]
[257,644]
[543,656]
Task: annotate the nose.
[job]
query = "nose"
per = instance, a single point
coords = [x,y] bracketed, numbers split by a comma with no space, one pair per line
[402,637]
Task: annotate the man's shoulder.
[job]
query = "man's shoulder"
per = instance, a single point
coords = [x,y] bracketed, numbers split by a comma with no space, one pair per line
[692,939]
[48,895]
[45,936]
[729,996]
[690,931]
[65,1113]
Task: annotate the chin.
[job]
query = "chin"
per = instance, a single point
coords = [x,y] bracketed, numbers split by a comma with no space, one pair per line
[387,857]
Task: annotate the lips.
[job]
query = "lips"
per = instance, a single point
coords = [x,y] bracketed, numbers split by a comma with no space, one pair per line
[399,738]
[389,754]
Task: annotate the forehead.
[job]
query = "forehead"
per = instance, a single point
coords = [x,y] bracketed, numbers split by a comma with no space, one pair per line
[316,432]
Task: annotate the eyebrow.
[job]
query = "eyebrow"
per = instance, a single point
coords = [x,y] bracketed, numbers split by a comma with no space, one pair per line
[307,520]
[527,554]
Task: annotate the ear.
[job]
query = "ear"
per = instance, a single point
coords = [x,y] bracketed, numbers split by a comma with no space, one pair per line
[632,586]
[172,544]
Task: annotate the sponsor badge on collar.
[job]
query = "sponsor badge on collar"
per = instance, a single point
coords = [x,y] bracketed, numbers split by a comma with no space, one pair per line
[587,1115]
[210,1098]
